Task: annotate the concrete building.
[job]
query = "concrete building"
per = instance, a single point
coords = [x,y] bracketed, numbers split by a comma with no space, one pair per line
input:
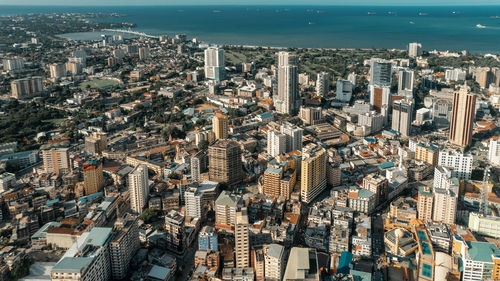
[220,126]
[274,262]
[481,261]
[344,90]
[279,182]
[56,160]
[242,239]
[406,80]
[226,206]
[494,151]
[7,180]
[455,74]
[322,84]
[460,163]
[26,87]
[57,70]
[378,185]
[207,239]
[123,245]
[96,143]
[92,177]
[302,265]
[214,64]
[138,186]
[414,50]
[276,142]
[293,136]
[287,101]
[313,172]
[425,203]
[144,53]
[427,153]
[462,117]
[13,64]
[194,203]
[380,72]
[441,112]
[311,115]
[445,205]
[380,97]
[199,165]
[402,117]
[175,231]
[362,200]
[485,225]
[225,163]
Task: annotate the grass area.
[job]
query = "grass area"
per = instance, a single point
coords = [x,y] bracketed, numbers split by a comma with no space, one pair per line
[99,84]
[56,121]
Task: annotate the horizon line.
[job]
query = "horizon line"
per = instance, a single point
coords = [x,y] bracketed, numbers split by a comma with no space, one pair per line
[253,5]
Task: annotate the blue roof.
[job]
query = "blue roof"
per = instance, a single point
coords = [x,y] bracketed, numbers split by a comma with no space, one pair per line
[72,264]
[273,170]
[98,236]
[52,202]
[386,165]
[266,115]
[344,262]
[370,140]
[85,199]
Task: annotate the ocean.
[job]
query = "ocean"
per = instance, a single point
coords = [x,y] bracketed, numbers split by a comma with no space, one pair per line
[472,28]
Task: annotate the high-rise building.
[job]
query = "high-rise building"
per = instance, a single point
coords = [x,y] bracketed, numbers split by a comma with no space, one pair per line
[293,136]
[26,87]
[214,63]
[445,203]
[480,260]
[144,53]
[462,117]
[302,265]
[96,143]
[123,245]
[425,203]
[402,112]
[57,70]
[344,90]
[138,186]
[276,142]
[311,115]
[427,153]
[313,172]
[441,112]
[414,50]
[377,184]
[87,259]
[460,163]
[226,206]
[278,182]
[406,79]
[14,64]
[274,262]
[380,72]
[207,239]
[494,151]
[199,164]
[56,160]
[323,84]
[92,177]
[242,239]
[194,202]
[287,101]
[455,74]
[175,231]
[225,163]
[220,126]
[380,97]
[258,263]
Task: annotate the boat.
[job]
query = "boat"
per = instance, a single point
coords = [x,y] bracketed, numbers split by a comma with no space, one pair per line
[423,14]
[412,22]
[480,26]
[371,13]
[311,23]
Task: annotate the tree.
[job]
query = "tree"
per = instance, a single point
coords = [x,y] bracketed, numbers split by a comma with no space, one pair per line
[203,145]
[149,215]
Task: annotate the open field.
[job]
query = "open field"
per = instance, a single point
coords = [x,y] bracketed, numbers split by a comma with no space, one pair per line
[99,84]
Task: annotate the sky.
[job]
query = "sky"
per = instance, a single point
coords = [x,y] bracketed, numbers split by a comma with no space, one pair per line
[250,2]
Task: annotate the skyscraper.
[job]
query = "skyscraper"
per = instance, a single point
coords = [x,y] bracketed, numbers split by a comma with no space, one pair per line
[220,126]
[225,165]
[322,84]
[293,136]
[199,164]
[402,112]
[92,177]
[56,160]
[380,72]
[57,70]
[279,182]
[194,203]
[138,186]
[276,142]
[414,50]
[275,262]
[214,63]
[494,151]
[425,203]
[462,117]
[287,101]
[242,239]
[125,242]
[313,172]
[344,90]
[380,97]
[406,79]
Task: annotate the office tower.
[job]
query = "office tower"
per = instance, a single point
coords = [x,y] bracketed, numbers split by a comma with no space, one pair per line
[220,126]
[441,112]
[274,256]
[80,56]
[414,50]
[57,70]
[175,231]
[87,259]
[462,117]
[322,84]
[26,87]
[242,239]
[144,53]
[406,83]
[377,184]
[194,202]
[225,165]
[207,239]
[425,203]
[402,112]
[293,136]
[287,101]
[380,97]
[494,151]
[380,72]
[279,182]
[459,162]
[302,265]
[311,115]
[96,143]
[92,177]
[56,160]
[276,143]
[455,74]
[214,63]
[74,68]
[445,205]
[226,206]
[352,77]
[123,246]
[138,186]
[373,120]
[313,172]
[199,164]
[14,64]
[344,90]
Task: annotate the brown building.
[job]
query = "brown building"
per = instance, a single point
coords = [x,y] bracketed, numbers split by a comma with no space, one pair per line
[278,182]
[225,164]
[462,117]
[425,202]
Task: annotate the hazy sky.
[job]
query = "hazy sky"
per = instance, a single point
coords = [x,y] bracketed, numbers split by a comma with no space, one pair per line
[249,2]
